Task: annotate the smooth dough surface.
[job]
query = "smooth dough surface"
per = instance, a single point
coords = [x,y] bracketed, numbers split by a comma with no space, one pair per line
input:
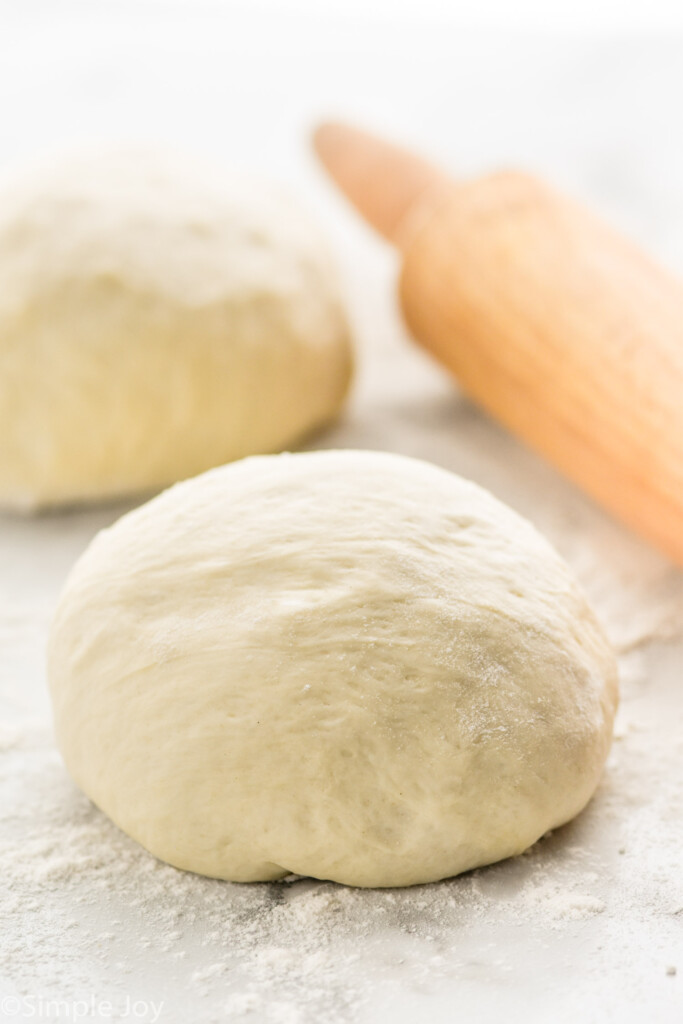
[350,665]
[156,319]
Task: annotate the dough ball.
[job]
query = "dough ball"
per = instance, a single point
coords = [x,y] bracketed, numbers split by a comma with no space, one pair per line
[349,665]
[156,319]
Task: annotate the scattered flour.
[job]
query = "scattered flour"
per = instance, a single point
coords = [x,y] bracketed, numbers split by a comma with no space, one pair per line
[84,909]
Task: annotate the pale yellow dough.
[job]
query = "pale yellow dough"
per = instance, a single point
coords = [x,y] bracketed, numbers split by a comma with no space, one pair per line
[349,665]
[157,318]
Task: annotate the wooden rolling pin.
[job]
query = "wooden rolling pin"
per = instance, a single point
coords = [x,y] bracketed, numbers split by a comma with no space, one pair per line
[562,330]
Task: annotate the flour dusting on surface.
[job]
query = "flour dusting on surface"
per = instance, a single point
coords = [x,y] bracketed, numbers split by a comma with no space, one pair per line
[85,909]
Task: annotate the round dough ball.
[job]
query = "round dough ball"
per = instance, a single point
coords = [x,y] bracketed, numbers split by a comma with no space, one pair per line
[349,665]
[156,319]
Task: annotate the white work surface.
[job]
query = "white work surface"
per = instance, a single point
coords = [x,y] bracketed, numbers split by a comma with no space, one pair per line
[588,925]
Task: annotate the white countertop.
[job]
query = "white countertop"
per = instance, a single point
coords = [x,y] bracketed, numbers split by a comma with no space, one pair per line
[588,924]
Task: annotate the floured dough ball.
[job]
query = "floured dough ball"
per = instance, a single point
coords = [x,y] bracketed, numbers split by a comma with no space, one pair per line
[156,319]
[349,665]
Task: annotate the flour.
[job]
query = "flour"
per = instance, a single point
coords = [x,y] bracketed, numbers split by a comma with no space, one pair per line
[85,909]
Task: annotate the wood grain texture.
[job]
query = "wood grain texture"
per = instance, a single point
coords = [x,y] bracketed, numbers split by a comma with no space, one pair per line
[566,333]
[563,330]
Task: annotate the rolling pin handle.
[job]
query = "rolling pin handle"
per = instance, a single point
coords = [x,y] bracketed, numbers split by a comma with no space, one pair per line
[387,184]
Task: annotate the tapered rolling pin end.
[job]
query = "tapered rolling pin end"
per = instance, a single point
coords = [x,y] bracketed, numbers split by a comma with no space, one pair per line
[385,183]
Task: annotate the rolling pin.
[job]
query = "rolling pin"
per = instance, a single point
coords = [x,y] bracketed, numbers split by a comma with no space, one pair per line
[559,327]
